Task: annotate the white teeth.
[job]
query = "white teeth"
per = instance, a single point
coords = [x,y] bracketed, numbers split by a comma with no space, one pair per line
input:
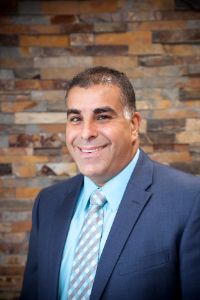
[89,151]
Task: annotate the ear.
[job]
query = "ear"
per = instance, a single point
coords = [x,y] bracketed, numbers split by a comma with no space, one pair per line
[136,121]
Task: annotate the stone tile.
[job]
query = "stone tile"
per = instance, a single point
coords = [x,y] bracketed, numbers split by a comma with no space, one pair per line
[181,50]
[7,129]
[28,20]
[3,141]
[18,106]
[77,39]
[27,73]
[42,118]
[177,37]
[155,60]
[64,19]
[88,7]
[188,137]
[68,169]
[60,73]
[59,7]
[110,27]
[166,125]
[12,63]
[168,157]
[9,40]
[158,25]
[6,74]
[61,62]
[24,170]
[6,118]
[142,48]
[44,41]
[25,158]
[26,193]
[5,169]
[7,84]
[48,95]
[29,8]
[123,38]
[193,125]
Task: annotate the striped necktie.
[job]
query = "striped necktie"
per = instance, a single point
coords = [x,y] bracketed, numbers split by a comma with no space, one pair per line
[87,250]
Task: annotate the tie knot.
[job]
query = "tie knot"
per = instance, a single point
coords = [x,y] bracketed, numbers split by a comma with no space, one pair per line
[97,199]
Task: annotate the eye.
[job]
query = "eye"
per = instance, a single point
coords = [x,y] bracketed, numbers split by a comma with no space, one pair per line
[74,119]
[103,117]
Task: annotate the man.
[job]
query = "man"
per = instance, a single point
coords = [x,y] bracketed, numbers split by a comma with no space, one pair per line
[148,223]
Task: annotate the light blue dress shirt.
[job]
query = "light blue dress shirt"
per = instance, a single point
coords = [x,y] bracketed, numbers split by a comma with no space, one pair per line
[113,191]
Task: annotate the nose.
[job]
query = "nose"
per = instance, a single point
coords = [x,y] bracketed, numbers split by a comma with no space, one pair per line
[89,130]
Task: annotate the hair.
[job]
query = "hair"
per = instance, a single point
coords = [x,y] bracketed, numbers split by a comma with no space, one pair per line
[106,76]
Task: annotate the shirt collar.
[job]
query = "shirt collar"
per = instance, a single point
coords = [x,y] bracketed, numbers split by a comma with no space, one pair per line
[114,188]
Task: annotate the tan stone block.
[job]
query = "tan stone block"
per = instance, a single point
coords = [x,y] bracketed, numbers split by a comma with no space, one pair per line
[62,62]
[29,29]
[34,84]
[7,193]
[11,107]
[24,170]
[13,237]
[180,113]
[143,126]
[26,159]
[21,226]
[157,25]
[5,227]
[168,157]
[15,260]
[188,137]
[142,72]
[120,62]
[123,38]
[181,50]
[44,41]
[26,193]
[193,125]
[154,105]
[59,168]
[95,6]
[13,63]
[147,148]
[60,7]
[50,95]
[141,48]
[52,128]
[42,118]
[78,39]
[60,73]
[16,151]
[192,83]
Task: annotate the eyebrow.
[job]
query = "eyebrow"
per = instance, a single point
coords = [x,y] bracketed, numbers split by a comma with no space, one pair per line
[99,110]
[73,111]
[105,109]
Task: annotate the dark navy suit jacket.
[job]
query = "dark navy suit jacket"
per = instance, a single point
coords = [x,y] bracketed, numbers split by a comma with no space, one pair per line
[153,249]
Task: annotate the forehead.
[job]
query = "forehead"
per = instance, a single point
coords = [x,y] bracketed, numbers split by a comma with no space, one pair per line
[94,96]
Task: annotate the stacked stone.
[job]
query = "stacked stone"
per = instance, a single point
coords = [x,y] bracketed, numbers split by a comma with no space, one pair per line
[42,45]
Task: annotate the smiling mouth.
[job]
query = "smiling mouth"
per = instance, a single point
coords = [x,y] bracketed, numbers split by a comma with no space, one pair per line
[91,150]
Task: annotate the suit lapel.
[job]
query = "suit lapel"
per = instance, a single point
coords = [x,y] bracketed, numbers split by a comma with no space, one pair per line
[60,228]
[134,200]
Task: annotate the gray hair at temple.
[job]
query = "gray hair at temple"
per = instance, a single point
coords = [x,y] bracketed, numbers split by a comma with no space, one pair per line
[107,76]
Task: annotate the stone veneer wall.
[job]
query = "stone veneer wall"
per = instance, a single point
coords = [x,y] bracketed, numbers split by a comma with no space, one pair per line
[42,45]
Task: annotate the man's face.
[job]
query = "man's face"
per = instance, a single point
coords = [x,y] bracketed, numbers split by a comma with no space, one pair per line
[99,137]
